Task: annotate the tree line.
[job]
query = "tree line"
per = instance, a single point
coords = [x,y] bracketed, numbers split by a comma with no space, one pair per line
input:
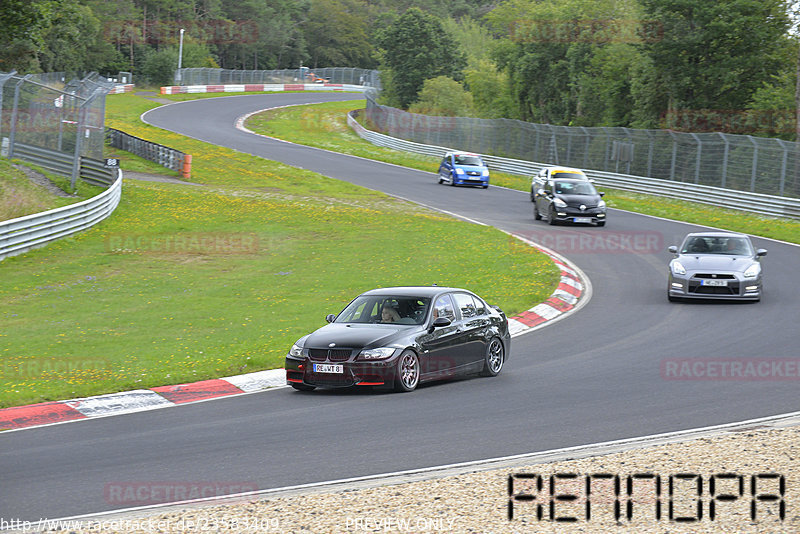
[722,65]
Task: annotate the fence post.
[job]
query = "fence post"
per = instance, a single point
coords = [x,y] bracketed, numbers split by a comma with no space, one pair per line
[755,164]
[725,159]
[76,161]
[588,136]
[674,154]
[784,161]
[3,79]
[650,153]
[14,112]
[697,159]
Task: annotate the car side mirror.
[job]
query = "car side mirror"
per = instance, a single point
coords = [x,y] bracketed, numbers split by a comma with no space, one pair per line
[601,193]
[673,249]
[439,322]
[761,252]
[541,192]
[547,192]
[330,317]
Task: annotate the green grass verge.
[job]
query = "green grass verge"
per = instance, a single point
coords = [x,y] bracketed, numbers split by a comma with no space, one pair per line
[185,283]
[19,196]
[325,126]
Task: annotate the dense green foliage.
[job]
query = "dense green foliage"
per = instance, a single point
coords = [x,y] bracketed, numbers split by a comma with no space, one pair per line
[726,65]
[417,48]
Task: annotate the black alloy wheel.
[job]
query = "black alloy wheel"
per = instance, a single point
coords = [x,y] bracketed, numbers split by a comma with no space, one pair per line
[407,372]
[495,356]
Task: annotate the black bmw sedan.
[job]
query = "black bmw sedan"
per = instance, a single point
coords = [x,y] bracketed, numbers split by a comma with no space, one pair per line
[400,337]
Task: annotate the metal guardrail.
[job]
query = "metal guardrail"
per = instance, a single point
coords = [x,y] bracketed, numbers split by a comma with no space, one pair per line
[716,196]
[53,160]
[32,231]
[163,155]
[90,170]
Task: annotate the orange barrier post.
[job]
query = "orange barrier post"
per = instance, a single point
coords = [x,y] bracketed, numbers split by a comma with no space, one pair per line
[187,166]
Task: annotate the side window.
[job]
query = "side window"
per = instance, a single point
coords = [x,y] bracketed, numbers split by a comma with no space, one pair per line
[465,304]
[444,160]
[480,306]
[444,308]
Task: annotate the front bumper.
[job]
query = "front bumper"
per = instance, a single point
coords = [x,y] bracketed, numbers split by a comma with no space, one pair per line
[569,214]
[691,285]
[462,179]
[359,373]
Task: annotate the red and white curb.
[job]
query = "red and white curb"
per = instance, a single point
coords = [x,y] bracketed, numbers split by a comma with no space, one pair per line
[260,88]
[573,291]
[47,413]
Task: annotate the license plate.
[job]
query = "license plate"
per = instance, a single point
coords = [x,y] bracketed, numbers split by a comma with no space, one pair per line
[720,283]
[328,368]
[583,219]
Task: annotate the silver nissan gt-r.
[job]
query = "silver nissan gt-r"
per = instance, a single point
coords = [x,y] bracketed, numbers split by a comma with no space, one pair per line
[715,265]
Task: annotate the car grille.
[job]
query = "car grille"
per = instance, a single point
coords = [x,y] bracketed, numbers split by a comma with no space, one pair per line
[730,289]
[334,355]
[325,379]
[717,276]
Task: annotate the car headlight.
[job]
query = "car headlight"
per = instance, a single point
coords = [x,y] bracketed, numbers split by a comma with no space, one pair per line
[485,172]
[380,353]
[559,203]
[601,204]
[459,170]
[678,268]
[753,270]
[296,352]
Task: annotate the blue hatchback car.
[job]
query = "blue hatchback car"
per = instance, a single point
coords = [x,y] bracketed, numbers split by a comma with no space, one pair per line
[463,168]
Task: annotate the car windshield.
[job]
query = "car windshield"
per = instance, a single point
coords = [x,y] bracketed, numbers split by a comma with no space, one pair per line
[462,159]
[385,309]
[569,175]
[731,245]
[574,188]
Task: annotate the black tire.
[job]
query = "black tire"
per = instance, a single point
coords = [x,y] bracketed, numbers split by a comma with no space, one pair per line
[441,181]
[486,186]
[601,223]
[303,387]
[406,372]
[673,299]
[551,215]
[536,215]
[494,358]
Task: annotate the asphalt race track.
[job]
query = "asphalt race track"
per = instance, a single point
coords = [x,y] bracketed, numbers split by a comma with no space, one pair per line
[594,376]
